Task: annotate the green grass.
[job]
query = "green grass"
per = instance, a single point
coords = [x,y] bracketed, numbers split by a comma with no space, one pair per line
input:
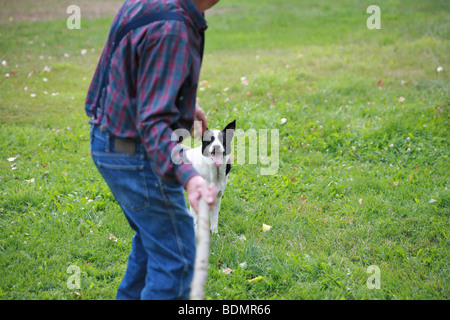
[346,138]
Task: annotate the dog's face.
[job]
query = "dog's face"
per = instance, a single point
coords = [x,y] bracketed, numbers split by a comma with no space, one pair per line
[216,144]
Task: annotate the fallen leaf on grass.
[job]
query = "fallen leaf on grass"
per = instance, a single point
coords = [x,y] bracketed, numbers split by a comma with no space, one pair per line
[255,279]
[113,238]
[303,198]
[242,238]
[30,181]
[13,158]
[266,227]
[227,271]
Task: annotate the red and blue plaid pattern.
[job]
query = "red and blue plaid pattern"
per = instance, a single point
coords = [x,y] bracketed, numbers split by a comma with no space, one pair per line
[153,81]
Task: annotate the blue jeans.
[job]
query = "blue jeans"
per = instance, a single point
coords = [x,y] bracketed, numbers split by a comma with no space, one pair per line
[161,262]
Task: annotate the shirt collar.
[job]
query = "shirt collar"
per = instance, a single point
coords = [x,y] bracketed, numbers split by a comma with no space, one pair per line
[197,18]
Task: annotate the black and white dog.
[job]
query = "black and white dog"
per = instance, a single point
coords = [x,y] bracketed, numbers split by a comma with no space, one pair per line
[212,161]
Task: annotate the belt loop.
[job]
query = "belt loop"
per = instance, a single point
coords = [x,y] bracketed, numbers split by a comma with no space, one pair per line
[107,141]
[142,150]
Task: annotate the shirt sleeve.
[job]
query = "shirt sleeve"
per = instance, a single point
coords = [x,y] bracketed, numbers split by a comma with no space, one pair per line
[164,64]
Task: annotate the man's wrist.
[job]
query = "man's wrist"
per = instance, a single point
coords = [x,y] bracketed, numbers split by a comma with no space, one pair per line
[188,172]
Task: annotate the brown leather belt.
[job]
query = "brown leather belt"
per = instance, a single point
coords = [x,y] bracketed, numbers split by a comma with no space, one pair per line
[125,145]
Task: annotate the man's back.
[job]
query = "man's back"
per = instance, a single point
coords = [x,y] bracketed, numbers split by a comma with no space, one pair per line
[152,80]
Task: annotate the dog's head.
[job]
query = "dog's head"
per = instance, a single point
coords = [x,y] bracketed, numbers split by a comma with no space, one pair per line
[216,144]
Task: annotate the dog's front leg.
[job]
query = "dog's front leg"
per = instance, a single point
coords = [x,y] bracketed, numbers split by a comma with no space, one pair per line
[214,217]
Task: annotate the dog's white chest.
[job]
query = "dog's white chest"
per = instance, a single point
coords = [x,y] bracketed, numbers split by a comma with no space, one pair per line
[211,173]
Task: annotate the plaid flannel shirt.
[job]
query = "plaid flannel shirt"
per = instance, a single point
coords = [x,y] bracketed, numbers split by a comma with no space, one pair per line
[153,81]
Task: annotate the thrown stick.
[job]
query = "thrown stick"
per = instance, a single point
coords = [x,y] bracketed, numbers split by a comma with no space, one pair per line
[202,254]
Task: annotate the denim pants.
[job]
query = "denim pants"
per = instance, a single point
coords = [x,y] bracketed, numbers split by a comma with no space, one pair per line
[161,262]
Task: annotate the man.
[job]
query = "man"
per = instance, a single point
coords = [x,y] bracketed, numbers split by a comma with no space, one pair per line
[143,89]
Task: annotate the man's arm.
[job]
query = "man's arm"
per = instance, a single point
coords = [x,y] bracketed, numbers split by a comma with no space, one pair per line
[164,64]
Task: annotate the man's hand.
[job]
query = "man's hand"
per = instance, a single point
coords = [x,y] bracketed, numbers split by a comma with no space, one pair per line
[197,188]
[199,116]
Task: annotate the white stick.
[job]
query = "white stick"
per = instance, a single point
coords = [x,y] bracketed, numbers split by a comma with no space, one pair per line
[202,254]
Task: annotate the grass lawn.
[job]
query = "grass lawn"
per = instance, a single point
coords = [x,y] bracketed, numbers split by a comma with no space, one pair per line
[363,174]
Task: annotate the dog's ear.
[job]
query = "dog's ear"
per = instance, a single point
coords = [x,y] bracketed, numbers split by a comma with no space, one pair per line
[229,129]
[228,134]
[231,126]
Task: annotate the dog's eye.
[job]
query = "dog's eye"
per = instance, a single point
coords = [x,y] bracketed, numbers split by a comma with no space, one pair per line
[212,138]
